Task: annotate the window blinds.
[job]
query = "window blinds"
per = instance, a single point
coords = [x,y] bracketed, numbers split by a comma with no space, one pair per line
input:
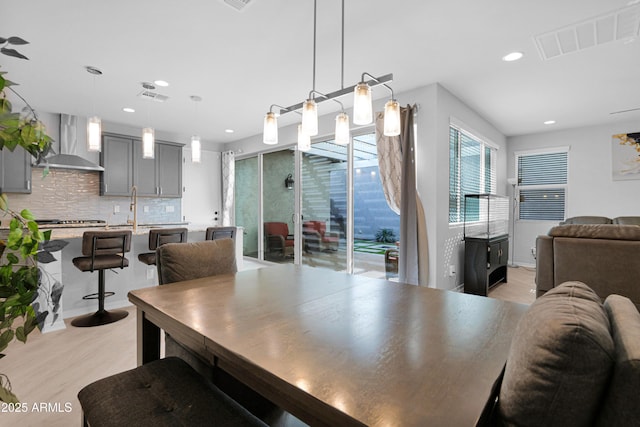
[542,180]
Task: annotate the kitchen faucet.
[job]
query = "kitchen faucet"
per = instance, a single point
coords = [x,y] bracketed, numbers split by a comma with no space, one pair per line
[133,207]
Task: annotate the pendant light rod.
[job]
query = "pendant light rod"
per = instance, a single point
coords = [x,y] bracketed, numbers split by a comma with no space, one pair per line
[342,51]
[281,107]
[315,13]
[376,81]
[315,92]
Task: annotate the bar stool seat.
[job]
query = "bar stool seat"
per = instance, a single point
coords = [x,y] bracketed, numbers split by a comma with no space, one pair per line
[160,236]
[102,250]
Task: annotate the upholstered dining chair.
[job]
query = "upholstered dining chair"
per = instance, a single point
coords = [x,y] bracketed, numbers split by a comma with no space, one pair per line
[186,261]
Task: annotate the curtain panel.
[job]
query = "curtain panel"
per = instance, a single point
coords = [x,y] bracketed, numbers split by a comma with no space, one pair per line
[396,159]
[228,188]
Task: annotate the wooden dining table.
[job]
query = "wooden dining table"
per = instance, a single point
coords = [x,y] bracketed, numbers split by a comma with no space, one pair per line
[338,349]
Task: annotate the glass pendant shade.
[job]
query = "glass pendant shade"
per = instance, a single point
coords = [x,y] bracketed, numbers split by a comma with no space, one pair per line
[362,107]
[310,117]
[196,151]
[148,142]
[392,118]
[342,129]
[304,140]
[94,133]
[270,131]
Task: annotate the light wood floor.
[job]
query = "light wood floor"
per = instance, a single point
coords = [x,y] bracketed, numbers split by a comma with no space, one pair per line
[51,368]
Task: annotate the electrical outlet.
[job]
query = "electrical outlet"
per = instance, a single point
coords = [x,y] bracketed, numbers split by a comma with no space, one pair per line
[145,209]
[452,270]
[116,209]
[150,271]
[168,208]
[533,252]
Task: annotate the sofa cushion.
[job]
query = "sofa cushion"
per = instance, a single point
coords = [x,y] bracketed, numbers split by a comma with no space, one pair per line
[597,231]
[587,220]
[559,362]
[627,220]
[620,406]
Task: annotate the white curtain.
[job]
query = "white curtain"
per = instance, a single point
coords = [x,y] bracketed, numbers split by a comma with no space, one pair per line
[228,188]
[396,159]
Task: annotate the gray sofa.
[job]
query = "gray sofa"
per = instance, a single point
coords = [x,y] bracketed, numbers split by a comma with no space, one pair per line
[604,256]
[573,361]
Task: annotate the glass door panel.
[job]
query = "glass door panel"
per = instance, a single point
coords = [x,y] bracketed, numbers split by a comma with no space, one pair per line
[279,205]
[247,203]
[324,205]
[376,226]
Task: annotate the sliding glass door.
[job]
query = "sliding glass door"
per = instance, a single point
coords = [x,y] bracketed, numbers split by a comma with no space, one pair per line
[324,205]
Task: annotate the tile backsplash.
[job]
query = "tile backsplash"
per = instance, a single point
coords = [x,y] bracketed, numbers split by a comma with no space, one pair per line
[71,194]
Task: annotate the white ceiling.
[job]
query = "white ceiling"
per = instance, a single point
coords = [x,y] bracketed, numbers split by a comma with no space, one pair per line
[242,62]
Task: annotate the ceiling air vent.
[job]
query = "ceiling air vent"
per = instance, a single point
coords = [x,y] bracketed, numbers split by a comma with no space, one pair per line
[620,24]
[152,96]
[238,5]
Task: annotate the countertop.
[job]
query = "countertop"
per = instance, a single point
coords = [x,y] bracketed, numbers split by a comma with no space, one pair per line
[71,231]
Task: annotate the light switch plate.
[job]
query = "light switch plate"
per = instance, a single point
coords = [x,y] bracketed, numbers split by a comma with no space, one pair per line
[150,271]
[169,208]
[145,209]
[116,209]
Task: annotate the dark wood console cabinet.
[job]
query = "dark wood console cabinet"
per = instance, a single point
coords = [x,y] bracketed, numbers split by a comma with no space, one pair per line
[485,263]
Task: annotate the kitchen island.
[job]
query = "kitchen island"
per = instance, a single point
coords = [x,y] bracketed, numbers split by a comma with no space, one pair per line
[76,283]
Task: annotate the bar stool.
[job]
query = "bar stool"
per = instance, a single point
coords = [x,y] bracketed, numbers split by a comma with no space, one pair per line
[102,250]
[160,236]
[214,233]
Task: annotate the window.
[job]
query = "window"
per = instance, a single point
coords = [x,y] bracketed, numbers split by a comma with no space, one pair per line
[542,184]
[472,165]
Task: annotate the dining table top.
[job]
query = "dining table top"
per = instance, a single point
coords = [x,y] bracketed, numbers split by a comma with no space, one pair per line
[340,349]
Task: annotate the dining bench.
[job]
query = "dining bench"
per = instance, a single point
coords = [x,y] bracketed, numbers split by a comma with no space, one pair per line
[163,393]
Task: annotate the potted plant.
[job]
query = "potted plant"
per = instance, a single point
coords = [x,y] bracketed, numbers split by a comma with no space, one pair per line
[21,244]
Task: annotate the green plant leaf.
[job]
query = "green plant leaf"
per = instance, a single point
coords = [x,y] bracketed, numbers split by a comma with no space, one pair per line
[3,202]
[7,396]
[17,40]
[12,258]
[26,214]
[12,52]
[20,334]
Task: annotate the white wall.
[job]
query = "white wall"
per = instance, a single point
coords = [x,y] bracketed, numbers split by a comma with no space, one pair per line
[202,195]
[436,106]
[591,189]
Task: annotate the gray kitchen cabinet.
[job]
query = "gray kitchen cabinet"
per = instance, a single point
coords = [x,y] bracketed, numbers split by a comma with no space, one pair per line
[169,169]
[124,167]
[160,176]
[15,171]
[117,159]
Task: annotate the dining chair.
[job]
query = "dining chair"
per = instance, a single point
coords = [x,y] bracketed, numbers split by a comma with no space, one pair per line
[160,236]
[186,261]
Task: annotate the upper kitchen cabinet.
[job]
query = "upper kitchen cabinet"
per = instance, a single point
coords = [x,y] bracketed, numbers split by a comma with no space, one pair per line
[160,176]
[124,167]
[117,159]
[15,171]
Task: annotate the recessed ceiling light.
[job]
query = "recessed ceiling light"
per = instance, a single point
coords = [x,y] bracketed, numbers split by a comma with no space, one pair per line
[128,110]
[161,83]
[513,56]
[550,122]
[229,130]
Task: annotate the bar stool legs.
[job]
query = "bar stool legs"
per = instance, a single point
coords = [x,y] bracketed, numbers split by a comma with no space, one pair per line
[102,316]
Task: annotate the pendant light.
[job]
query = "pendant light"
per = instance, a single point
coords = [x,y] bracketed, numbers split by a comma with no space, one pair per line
[362,104]
[304,140]
[148,134]
[392,118]
[270,131]
[148,143]
[196,147]
[310,117]
[94,124]
[342,129]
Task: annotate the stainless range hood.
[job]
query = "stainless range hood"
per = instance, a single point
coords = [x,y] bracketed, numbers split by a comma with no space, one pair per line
[68,157]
